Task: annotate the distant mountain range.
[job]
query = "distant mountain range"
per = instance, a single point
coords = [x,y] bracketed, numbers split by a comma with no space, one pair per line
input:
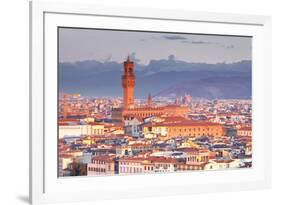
[160,78]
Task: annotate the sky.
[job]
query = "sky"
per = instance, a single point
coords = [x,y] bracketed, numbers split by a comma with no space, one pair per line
[108,45]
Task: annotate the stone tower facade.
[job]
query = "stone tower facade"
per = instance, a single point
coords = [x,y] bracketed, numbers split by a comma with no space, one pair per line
[149,101]
[128,84]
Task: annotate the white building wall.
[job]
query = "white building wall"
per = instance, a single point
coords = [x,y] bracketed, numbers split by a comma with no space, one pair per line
[78,130]
[130,167]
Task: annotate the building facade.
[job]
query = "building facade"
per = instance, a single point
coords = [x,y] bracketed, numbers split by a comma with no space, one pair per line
[245,131]
[135,165]
[187,128]
[101,165]
[78,130]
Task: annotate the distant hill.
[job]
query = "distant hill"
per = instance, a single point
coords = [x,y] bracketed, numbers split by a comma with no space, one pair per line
[214,87]
[160,78]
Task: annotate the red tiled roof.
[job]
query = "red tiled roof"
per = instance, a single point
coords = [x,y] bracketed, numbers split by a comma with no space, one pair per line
[149,159]
[184,123]
[188,149]
[224,161]
[245,129]
[65,156]
[174,119]
[103,158]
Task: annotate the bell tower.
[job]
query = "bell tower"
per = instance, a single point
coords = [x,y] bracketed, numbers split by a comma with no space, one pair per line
[128,84]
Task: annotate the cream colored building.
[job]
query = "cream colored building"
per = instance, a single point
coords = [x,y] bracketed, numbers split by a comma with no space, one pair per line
[180,129]
[245,131]
[101,165]
[155,131]
[78,130]
[222,164]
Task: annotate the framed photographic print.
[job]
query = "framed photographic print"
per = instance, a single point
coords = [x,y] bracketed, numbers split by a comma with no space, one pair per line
[129,102]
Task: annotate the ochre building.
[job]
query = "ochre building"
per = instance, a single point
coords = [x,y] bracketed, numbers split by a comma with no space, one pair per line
[187,128]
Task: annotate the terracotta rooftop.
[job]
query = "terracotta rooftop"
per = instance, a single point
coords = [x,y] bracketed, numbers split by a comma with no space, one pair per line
[149,159]
[184,123]
[245,129]
[103,158]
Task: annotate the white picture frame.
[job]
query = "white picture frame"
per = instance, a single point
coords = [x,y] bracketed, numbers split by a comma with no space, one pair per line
[46,187]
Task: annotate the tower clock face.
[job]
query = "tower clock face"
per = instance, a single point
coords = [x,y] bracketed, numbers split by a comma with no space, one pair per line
[129,82]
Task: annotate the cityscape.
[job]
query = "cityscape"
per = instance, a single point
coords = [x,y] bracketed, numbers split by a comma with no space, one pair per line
[173,130]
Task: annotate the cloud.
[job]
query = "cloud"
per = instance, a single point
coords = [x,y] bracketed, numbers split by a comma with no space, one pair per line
[201,42]
[149,38]
[171,57]
[133,57]
[210,43]
[198,42]
[174,37]
[229,46]
[108,58]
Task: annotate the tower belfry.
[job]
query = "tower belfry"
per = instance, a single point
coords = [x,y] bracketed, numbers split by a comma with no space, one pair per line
[128,84]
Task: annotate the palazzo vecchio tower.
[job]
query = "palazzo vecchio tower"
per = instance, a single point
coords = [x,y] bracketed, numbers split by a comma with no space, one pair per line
[130,109]
[128,84]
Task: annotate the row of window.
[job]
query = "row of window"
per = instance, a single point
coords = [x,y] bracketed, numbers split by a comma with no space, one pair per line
[148,168]
[130,170]
[184,129]
[99,162]
[129,163]
[97,131]
[191,129]
[137,169]
[185,167]
[244,132]
[95,169]
[147,114]
[196,159]
[145,167]
[197,134]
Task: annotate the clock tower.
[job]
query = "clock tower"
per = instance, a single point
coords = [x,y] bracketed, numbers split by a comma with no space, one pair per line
[128,84]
